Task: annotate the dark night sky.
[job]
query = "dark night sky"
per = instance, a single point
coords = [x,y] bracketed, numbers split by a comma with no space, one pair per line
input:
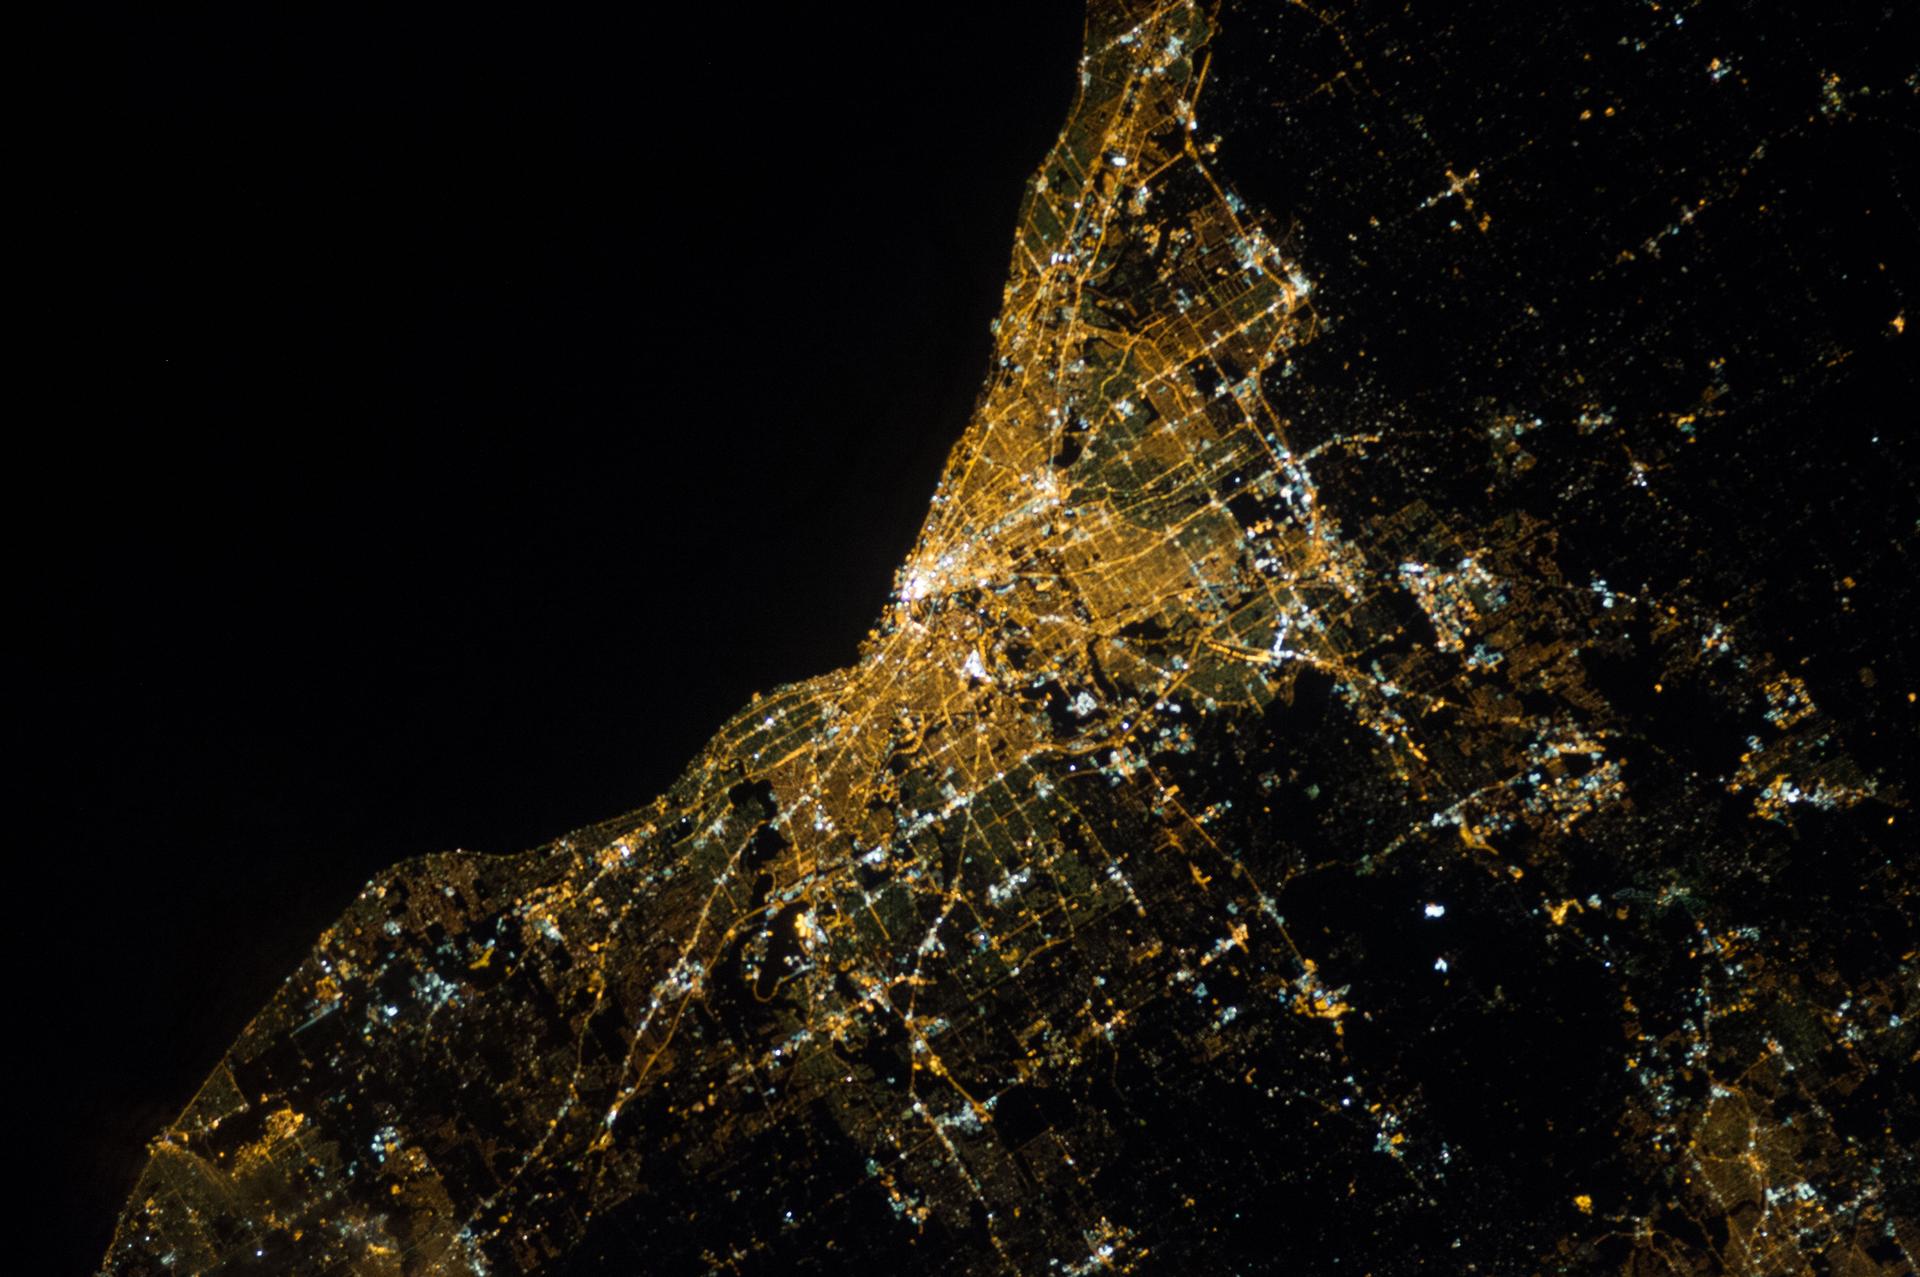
[461,413]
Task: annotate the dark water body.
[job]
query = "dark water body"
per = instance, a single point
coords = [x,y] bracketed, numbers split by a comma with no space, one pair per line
[462,413]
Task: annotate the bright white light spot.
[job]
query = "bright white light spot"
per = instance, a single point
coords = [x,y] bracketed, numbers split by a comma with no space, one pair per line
[1439,964]
[1436,911]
